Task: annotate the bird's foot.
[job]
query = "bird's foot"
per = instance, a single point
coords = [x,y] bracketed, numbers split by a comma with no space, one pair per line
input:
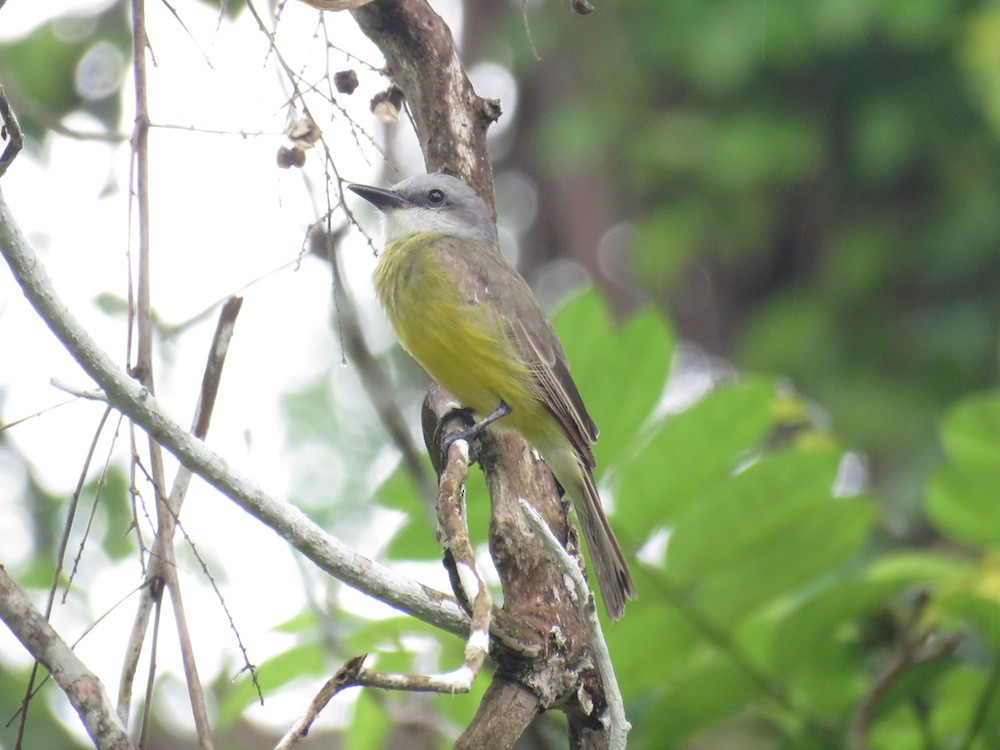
[445,440]
[471,432]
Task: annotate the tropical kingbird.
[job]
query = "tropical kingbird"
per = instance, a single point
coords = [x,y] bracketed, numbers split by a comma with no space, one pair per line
[469,318]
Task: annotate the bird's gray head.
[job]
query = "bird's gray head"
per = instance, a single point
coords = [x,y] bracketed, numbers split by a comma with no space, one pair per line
[431,203]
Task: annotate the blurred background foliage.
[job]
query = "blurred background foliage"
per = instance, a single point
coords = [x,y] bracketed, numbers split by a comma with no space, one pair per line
[809,191]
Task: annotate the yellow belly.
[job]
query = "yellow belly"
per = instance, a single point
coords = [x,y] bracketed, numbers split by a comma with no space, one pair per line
[463,346]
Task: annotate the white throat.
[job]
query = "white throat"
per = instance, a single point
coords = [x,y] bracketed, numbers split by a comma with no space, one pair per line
[405,222]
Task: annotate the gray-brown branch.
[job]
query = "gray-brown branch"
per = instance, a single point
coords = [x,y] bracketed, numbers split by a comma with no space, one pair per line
[451,121]
[81,686]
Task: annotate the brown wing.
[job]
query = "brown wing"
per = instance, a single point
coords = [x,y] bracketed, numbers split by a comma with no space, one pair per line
[487,277]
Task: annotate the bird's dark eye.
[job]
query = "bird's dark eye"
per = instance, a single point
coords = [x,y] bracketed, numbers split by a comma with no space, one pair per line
[435,197]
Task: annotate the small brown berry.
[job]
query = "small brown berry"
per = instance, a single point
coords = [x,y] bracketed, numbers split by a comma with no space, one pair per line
[345,81]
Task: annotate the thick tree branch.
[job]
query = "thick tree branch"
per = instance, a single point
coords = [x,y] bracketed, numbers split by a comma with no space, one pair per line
[81,686]
[451,121]
[507,709]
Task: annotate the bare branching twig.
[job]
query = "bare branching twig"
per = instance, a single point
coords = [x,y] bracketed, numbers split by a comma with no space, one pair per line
[162,567]
[143,371]
[915,646]
[11,132]
[59,565]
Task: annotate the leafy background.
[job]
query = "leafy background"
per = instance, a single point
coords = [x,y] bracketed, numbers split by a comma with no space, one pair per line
[807,195]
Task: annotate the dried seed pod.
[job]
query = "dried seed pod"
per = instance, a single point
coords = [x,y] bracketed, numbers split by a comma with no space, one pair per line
[291,157]
[345,81]
[303,132]
[384,108]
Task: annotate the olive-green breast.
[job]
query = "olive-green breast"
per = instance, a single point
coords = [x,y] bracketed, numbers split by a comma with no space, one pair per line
[463,343]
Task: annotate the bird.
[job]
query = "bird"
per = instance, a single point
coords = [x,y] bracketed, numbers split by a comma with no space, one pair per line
[462,310]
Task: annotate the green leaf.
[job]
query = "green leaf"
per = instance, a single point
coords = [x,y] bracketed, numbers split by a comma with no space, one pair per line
[963,500]
[711,688]
[620,371]
[632,649]
[111,304]
[691,452]
[955,701]
[971,433]
[305,621]
[368,636]
[369,725]
[973,608]
[817,648]
[917,567]
[774,526]
[415,538]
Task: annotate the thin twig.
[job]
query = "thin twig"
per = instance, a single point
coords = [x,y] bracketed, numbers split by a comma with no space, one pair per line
[345,677]
[915,646]
[247,665]
[136,500]
[163,543]
[328,78]
[11,131]
[162,565]
[147,707]
[60,562]
[618,723]
[983,705]
[213,131]
[527,31]
[352,56]
[21,420]
[180,21]
[353,674]
[101,482]
[94,394]
[168,331]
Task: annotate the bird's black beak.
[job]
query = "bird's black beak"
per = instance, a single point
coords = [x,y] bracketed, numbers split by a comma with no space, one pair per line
[382,199]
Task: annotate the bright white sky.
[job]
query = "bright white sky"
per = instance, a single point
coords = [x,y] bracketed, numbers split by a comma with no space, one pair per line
[222,215]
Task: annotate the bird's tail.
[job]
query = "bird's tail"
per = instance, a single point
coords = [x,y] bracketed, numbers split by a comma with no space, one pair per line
[612,571]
